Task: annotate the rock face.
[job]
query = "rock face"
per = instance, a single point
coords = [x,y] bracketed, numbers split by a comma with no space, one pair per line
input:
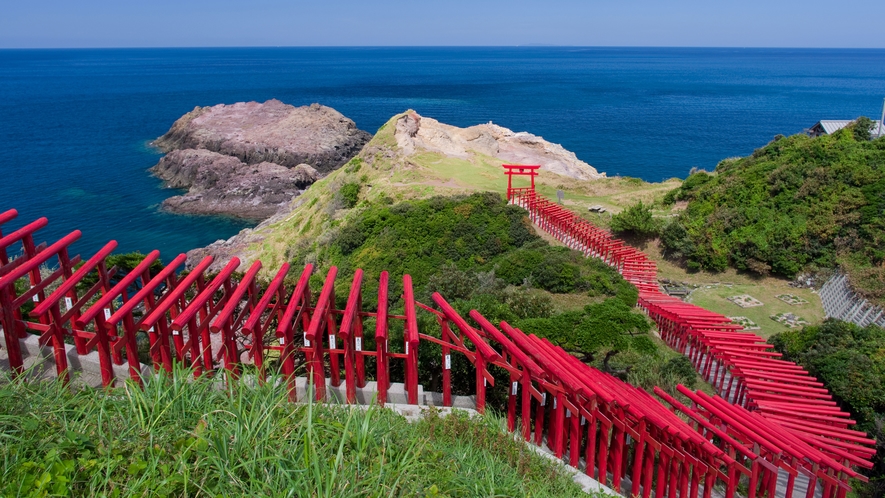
[417,133]
[249,158]
[224,185]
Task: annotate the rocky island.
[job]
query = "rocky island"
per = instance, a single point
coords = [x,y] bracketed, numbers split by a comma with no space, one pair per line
[249,159]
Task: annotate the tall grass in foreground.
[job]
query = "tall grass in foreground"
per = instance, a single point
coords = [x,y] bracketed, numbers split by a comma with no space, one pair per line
[179,437]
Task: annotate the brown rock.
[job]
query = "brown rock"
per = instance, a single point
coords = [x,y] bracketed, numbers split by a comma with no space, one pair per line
[224,185]
[270,132]
[415,133]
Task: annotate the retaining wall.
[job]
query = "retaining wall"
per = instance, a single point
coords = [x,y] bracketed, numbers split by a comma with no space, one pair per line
[842,302]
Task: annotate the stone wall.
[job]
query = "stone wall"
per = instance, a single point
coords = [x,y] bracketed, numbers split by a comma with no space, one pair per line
[842,302]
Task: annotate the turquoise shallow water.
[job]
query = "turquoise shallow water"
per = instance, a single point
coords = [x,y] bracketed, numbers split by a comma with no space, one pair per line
[74,124]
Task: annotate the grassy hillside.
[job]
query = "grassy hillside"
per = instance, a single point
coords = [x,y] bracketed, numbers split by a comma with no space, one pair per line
[384,175]
[180,437]
[797,204]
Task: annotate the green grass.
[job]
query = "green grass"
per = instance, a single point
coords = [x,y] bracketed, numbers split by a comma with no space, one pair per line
[178,437]
[714,298]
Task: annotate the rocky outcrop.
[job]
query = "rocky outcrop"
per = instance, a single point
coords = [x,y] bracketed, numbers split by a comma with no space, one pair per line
[224,185]
[270,132]
[417,133]
[248,159]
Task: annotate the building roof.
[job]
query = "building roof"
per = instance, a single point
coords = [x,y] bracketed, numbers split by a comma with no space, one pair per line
[830,126]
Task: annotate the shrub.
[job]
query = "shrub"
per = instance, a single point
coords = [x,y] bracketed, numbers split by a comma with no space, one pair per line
[610,325]
[350,193]
[862,128]
[125,263]
[452,283]
[637,220]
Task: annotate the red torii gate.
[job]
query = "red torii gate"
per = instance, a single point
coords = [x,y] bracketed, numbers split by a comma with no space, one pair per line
[512,170]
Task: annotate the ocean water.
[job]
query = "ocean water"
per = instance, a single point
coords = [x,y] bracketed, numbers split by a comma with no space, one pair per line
[75,124]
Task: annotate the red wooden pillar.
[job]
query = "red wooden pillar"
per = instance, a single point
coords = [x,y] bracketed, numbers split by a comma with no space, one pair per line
[131,343]
[480,383]
[348,336]
[513,390]
[296,308]
[574,438]
[11,331]
[526,404]
[602,457]
[103,347]
[358,345]
[446,363]
[381,340]
[558,423]
[638,453]
[411,341]
[314,336]
[590,449]
[617,453]
[648,471]
[540,411]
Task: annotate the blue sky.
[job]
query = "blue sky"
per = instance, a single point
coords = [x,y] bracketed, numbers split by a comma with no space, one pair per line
[166,23]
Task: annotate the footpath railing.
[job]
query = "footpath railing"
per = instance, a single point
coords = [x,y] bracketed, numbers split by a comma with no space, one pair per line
[615,432]
[771,411]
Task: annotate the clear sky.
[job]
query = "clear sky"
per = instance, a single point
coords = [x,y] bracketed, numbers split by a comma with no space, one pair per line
[179,23]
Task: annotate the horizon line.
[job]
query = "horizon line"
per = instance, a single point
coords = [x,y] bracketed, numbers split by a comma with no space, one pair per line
[530,45]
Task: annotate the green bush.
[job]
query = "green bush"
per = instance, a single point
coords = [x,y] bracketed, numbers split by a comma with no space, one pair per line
[421,237]
[636,220]
[350,193]
[611,324]
[653,370]
[125,263]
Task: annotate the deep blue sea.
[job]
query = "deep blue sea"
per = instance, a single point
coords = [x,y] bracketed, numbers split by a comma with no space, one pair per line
[75,124]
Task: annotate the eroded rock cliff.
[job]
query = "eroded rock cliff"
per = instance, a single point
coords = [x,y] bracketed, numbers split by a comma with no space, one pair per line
[250,158]
[415,133]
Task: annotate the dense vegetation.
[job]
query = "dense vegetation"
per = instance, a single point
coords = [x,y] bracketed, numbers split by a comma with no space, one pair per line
[481,253]
[850,361]
[180,437]
[797,204]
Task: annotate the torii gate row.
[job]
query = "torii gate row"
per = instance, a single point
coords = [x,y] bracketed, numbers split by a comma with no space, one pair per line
[718,348]
[619,430]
